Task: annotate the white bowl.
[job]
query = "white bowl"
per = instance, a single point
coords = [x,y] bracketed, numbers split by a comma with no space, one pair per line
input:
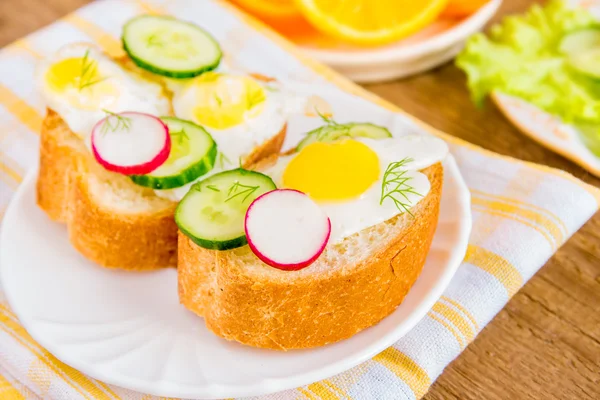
[424,50]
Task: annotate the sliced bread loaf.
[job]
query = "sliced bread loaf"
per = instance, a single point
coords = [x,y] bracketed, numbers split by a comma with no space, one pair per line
[352,286]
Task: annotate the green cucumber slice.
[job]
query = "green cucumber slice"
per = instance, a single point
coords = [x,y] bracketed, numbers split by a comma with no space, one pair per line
[587,63]
[212,213]
[170,47]
[580,41]
[333,132]
[193,154]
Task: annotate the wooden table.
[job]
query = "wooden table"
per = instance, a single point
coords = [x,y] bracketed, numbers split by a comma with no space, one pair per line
[545,344]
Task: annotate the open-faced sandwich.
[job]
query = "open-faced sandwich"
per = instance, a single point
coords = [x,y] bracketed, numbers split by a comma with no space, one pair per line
[311,247]
[123,139]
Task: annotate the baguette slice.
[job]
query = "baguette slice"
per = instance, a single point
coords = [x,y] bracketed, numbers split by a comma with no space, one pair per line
[110,220]
[352,286]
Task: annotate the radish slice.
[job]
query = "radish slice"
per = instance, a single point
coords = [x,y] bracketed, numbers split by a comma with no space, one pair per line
[131,143]
[286,229]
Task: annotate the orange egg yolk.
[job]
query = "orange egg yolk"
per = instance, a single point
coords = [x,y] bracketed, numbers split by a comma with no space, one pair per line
[333,171]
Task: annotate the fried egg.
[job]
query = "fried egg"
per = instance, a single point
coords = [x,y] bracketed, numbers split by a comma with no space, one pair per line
[81,84]
[361,182]
[239,111]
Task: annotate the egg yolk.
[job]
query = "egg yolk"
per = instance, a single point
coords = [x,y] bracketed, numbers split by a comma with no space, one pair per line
[333,171]
[223,101]
[80,81]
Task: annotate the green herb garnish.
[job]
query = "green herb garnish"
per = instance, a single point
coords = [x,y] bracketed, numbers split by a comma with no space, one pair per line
[155,41]
[396,187]
[254,98]
[115,122]
[213,188]
[180,135]
[239,189]
[222,158]
[89,69]
[325,118]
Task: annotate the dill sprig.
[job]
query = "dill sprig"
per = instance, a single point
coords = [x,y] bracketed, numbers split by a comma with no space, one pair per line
[154,40]
[222,159]
[254,98]
[328,120]
[396,187]
[239,189]
[213,188]
[89,69]
[180,135]
[218,99]
[115,122]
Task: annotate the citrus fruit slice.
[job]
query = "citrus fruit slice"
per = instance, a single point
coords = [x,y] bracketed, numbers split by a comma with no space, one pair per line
[370,22]
[462,8]
[270,8]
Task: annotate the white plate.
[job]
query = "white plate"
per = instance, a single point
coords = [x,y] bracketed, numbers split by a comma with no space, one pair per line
[128,329]
[549,130]
[427,49]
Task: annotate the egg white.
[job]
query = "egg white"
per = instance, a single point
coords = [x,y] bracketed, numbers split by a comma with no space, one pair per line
[237,142]
[132,93]
[351,216]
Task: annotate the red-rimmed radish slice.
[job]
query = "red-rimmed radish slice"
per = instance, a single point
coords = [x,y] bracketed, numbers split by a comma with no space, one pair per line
[286,229]
[131,143]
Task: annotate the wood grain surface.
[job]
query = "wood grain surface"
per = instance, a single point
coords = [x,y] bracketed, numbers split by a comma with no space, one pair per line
[545,344]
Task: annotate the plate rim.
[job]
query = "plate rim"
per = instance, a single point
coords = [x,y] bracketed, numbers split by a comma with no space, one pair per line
[498,99]
[448,38]
[265,386]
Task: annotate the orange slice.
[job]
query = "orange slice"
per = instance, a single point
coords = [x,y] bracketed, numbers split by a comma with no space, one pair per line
[370,22]
[270,8]
[462,8]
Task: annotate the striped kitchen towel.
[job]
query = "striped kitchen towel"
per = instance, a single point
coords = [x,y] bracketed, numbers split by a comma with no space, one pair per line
[522,213]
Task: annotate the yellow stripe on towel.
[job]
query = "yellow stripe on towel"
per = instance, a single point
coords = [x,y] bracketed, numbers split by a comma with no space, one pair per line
[23,44]
[28,115]
[8,391]
[110,44]
[307,394]
[497,266]
[73,377]
[517,218]
[336,388]
[523,204]
[459,322]
[151,8]
[322,391]
[450,328]
[406,369]
[534,216]
[463,310]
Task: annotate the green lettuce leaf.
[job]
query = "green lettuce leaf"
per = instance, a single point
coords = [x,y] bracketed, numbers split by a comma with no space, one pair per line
[520,57]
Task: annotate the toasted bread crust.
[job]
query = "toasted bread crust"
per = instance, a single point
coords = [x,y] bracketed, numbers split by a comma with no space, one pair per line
[134,242]
[113,239]
[317,309]
[57,159]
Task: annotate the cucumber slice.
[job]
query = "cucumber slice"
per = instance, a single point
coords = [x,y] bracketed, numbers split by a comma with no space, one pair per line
[587,63]
[170,47]
[212,213]
[580,41]
[193,154]
[333,132]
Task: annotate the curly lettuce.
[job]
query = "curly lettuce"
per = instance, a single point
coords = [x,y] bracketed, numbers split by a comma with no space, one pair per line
[520,57]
